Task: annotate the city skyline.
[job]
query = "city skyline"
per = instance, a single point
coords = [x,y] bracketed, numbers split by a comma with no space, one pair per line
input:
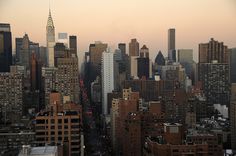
[120,21]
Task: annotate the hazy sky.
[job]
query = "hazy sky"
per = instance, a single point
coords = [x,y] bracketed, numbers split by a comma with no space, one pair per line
[114,21]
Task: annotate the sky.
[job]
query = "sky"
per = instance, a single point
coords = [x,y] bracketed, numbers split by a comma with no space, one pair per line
[115,21]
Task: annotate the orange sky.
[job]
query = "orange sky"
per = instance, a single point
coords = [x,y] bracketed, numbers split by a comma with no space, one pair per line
[114,21]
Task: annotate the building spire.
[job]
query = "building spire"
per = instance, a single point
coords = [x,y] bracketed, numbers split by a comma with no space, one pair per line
[50,21]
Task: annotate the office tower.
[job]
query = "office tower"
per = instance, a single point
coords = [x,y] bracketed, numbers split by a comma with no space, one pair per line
[144,52]
[95,55]
[213,50]
[68,78]
[11,95]
[232,65]
[185,58]
[122,47]
[18,42]
[73,45]
[59,52]
[24,49]
[134,48]
[143,67]
[60,124]
[63,38]
[50,37]
[185,55]
[160,60]
[35,73]
[25,52]
[107,78]
[43,55]
[171,45]
[134,66]
[233,116]
[215,80]
[5,47]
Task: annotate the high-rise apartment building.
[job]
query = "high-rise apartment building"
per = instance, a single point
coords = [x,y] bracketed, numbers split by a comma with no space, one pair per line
[215,80]
[5,47]
[213,50]
[107,78]
[60,124]
[11,95]
[50,81]
[134,47]
[50,37]
[73,45]
[68,78]
[171,45]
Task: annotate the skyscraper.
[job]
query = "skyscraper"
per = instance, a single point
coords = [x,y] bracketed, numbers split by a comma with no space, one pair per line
[95,55]
[73,45]
[63,38]
[11,95]
[215,80]
[5,47]
[134,47]
[122,47]
[213,50]
[68,78]
[171,45]
[25,52]
[185,58]
[50,36]
[107,78]
[233,116]
[233,65]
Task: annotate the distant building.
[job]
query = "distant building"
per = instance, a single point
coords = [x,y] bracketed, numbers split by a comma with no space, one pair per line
[63,38]
[160,60]
[68,78]
[73,45]
[232,65]
[95,56]
[185,58]
[50,81]
[213,50]
[59,52]
[5,47]
[50,36]
[107,78]
[122,47]
[134,67]
[171,45]
[133,48]
[43,55]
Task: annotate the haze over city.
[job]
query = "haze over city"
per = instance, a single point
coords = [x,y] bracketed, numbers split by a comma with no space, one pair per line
[117,21]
